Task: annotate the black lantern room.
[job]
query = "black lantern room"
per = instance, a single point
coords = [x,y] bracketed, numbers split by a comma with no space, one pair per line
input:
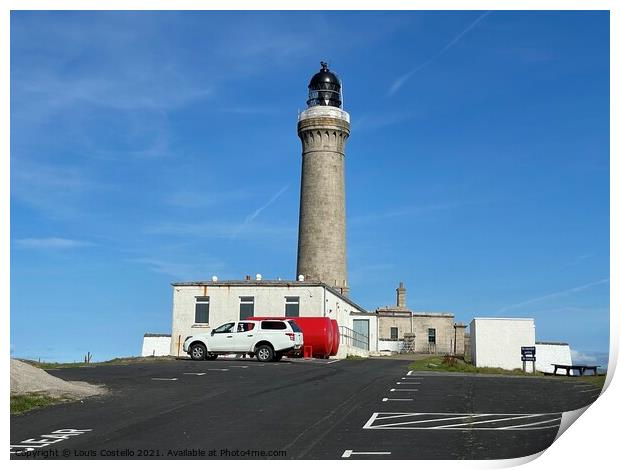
[324,89]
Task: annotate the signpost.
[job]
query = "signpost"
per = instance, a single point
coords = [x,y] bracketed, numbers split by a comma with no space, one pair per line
[528,354]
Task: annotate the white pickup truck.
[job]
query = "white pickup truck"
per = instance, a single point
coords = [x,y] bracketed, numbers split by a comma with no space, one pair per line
[268,340]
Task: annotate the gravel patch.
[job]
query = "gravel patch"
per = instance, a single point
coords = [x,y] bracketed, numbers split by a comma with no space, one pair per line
[29,379]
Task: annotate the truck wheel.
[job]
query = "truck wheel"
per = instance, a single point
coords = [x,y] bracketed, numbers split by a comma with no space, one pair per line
[198,352]
[264,353]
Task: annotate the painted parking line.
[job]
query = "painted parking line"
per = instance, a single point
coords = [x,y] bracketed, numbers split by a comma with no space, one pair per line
[397,399]
[460,421]
[194,373]
[403,390]
[348,453]
[590,390]
[331,362]
[224,370]
[158,378]
[412,378]
[242,367]
[408,383]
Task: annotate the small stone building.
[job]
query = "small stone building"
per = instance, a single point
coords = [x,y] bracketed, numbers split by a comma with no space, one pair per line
[401,329]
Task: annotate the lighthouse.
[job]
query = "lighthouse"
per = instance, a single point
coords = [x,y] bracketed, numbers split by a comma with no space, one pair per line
[323,128]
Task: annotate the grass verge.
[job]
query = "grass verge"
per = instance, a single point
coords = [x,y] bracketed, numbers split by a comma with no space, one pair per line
[437,363]
[115,361]
[22,403]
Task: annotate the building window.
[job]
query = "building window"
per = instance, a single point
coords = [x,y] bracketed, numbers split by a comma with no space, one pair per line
[432,339]
[246,307]
[292,307]
[394,333]
[202,310]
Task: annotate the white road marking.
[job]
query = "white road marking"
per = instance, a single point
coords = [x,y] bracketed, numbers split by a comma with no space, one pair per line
[522,425]
[349,453]
[403,390]
[489,421]
[30,446]
[397,399]
[412,378]
[194,373]
[242,367]
[421,421]
[373,417]
[408,383]
[155,378]
[589,390]
[404,415]
[410,372]
[218,369]
[331,362]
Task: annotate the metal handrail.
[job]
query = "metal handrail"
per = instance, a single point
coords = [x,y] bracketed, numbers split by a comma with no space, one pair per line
[353,338]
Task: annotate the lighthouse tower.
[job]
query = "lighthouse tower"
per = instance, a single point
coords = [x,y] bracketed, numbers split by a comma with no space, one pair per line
[323,129]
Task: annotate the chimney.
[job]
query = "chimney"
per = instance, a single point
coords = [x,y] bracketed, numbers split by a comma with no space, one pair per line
[401,293]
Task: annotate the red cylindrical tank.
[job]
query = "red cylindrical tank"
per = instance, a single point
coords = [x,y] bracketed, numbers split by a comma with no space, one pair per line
[336,334]
[318,333]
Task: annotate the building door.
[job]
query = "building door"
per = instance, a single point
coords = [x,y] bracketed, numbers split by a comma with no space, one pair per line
[361,329]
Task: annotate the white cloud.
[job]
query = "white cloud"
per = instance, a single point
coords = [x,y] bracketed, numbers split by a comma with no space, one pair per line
[222,230]
[554,295]
[51,243]
[579,357]
[179,270]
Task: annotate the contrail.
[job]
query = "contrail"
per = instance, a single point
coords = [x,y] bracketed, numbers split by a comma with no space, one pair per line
[273,199]
[257,212]
[554,295]
[400,81]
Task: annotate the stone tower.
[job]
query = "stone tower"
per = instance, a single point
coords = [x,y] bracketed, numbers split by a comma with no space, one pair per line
[323,129]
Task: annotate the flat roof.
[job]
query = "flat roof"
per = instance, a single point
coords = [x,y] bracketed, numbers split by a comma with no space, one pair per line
[269,283]
[503,318]
[405,313]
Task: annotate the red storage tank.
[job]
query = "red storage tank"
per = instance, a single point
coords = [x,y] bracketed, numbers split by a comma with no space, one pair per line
[336,334]
[319,332]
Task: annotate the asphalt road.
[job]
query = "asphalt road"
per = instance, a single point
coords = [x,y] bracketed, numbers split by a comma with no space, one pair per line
[350,409]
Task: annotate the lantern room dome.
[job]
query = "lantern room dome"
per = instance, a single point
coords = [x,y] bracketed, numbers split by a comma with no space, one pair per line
[324,89]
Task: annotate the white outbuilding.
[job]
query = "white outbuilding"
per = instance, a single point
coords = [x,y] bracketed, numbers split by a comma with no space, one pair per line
[497,342]
[155,344]
[548,353]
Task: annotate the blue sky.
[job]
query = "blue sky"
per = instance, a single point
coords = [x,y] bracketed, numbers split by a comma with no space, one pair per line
[152,147]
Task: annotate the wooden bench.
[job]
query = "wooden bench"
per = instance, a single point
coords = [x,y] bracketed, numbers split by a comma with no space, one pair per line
[577,368]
